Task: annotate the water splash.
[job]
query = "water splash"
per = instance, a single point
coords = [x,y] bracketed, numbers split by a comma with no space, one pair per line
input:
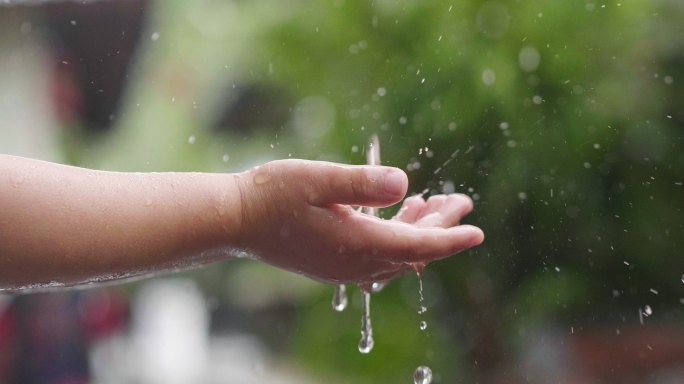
[339,301]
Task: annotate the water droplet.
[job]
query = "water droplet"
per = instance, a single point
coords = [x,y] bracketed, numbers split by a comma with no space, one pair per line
[536,99]
[529,59]
[339,301]
[422,325]
[488,77]
[261,178]
[155,36]
[403,120]
[366,343]
[381,91]
[226,158]
[421,309]
[647,310]
[377,286]
[191,139]
[422,375]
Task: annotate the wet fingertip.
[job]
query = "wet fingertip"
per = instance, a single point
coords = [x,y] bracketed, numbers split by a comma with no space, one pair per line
[477,237]
[396,183]
[470,235]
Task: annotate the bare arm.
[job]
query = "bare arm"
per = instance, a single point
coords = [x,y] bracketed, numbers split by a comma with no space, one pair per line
[70,225]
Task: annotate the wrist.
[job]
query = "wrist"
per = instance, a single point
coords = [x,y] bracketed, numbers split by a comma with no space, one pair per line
[224,210]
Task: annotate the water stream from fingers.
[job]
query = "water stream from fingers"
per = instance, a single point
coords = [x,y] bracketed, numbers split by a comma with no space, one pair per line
[367,342]
[422,374]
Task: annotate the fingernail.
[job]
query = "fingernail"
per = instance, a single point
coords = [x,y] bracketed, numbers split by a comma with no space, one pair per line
[395,183]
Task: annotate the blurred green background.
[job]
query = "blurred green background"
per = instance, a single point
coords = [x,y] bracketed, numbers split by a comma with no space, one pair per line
[562,120]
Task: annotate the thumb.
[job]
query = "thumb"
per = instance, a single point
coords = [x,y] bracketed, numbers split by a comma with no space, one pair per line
[374,186]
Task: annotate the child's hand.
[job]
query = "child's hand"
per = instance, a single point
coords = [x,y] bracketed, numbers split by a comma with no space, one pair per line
[297,215]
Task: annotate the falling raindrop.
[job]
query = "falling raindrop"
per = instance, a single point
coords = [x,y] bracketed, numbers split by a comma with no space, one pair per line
[422,375]
[647,310]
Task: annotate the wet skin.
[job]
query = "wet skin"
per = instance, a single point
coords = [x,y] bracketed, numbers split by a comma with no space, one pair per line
[62,225]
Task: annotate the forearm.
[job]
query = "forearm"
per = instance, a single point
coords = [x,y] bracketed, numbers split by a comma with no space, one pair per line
[70,225]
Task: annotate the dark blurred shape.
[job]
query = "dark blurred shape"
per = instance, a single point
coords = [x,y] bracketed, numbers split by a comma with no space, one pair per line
[103,313]
[48,344]
[254,107]
[44,338]
[630,356]
[93,45]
